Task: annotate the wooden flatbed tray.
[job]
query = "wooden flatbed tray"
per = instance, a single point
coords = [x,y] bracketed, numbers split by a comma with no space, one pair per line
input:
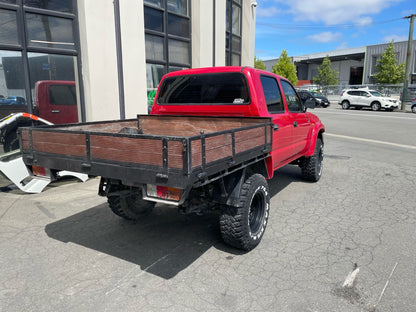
[149,148]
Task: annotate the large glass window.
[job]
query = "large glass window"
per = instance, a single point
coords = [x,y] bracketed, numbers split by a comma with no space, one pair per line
[8,29]
[153,19]
[54,5]
[49,31]
[178,6]
[178,51]
[233,33]
[38,62]
[167,33]
[52,81]
[12,87]
[154,48]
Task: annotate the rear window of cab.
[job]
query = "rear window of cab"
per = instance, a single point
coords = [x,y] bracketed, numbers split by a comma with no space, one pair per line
[204,89]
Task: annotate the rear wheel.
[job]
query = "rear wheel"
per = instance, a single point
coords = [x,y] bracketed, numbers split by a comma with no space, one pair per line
[312,166]
[243,227]
[375,106]
[345,105]
[127,202]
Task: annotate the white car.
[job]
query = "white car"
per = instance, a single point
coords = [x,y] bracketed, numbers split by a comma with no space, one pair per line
[414,105]
[365,97]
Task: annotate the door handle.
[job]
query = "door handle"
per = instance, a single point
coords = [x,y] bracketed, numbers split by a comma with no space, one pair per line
[55,111]
[295,124]
[275,127]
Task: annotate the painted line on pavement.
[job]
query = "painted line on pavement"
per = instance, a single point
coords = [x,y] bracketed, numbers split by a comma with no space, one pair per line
[370,141]
[364,115]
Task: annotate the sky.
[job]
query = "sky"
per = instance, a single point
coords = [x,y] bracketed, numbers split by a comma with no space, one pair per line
[314,26]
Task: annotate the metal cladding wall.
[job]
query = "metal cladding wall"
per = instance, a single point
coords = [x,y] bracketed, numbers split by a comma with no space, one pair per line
[377,50]
[306,71]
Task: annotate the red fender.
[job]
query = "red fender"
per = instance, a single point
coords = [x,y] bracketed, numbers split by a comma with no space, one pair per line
[317,130]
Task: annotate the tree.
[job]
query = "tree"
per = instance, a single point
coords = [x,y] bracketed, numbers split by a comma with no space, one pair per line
[326,75]
[259,64]
[387,69]
[284,67]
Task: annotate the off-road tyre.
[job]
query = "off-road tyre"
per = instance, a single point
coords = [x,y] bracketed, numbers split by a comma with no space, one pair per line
[243,227]
[345,104]
[375,106]
[312,166]
[129,204]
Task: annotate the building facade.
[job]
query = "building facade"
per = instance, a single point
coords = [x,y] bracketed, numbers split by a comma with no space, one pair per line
[116,51]
[356,66]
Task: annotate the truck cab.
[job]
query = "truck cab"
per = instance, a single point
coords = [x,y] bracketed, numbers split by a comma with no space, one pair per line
[249,92]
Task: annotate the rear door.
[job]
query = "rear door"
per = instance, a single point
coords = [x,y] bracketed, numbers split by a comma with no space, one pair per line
[59,103]
[282,124]
[299,120]
[355,98]
[365,98]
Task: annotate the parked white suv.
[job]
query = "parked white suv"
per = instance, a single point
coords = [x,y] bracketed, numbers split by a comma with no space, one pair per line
[365,97]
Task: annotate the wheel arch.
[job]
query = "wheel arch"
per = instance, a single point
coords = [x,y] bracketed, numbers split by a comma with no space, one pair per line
[319,130]
[376,102]
[229,187]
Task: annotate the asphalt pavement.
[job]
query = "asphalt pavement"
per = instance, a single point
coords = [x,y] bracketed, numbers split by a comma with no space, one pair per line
[64,250]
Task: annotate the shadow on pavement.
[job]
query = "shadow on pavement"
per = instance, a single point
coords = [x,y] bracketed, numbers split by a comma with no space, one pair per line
[164,243]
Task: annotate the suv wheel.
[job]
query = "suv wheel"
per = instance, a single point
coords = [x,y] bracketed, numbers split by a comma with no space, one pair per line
[345,105]
[375,106]
[414,108]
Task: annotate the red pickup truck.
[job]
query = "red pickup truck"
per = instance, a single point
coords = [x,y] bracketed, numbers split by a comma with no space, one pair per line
[55,102]
[213,138]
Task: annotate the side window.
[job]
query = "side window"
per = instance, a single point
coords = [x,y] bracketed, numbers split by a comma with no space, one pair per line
[354,93]
[62,95]
[272,95]
[293,102]
[363,93]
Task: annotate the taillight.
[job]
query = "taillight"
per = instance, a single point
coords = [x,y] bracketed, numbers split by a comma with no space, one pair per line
[164,192]
[39,171]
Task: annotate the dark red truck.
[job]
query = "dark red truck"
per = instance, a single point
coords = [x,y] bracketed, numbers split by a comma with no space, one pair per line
[213,138]
[55,101]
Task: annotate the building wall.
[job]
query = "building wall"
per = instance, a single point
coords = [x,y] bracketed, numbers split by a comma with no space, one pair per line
[134,58]
[248,32]
[99,55]
[99,63]
[375,51]
[342,67]
[219,33]
[99,59]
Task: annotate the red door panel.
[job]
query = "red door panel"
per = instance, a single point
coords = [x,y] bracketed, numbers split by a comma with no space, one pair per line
[56,101]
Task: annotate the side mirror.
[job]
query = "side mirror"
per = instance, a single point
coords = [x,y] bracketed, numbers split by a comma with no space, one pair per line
[310,103]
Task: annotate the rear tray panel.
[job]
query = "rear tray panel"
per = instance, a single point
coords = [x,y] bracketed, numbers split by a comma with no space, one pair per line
[170,150]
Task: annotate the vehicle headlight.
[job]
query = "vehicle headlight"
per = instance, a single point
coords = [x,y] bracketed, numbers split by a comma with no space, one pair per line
[318,100]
